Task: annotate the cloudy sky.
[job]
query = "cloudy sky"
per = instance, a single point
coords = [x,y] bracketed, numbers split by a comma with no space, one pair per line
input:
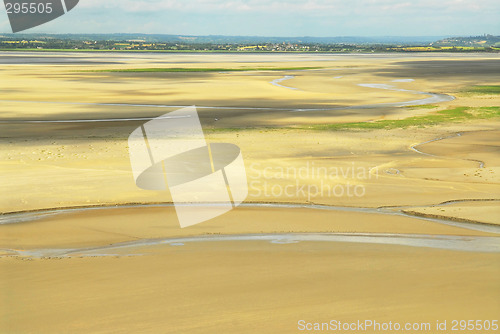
[279,18]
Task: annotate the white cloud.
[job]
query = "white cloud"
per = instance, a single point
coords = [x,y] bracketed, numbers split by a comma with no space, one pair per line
[212,5]
[285,17]
[304,7]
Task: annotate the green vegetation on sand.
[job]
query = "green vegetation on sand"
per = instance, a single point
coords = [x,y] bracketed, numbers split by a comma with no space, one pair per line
[180,69]
[458,114]
[444,116]
[484,89]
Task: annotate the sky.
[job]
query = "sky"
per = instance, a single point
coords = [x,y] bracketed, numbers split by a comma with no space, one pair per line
[283,18]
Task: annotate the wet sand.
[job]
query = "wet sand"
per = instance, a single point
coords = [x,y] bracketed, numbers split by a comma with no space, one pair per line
[247,287]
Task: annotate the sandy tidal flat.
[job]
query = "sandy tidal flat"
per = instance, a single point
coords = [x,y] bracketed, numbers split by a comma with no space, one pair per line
[83,250]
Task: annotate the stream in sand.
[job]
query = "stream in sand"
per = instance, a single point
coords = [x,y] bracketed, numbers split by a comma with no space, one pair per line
[450,242]
[456,243]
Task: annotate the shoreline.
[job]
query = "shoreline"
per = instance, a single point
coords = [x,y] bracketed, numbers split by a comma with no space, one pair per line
[413,53]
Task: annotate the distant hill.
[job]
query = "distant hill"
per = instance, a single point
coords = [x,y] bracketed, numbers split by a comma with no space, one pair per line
[219,39]
[473,41]
[186,43]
